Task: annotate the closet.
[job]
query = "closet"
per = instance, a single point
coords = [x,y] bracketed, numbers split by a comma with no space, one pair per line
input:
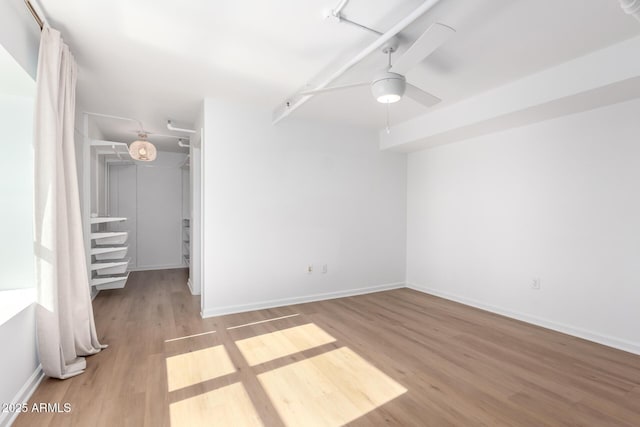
[136,214]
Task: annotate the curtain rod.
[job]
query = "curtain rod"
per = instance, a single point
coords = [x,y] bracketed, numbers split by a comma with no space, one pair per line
[35,15]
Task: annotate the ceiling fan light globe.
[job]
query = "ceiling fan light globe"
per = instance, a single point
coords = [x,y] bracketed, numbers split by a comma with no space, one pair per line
[388,87]
[389,98]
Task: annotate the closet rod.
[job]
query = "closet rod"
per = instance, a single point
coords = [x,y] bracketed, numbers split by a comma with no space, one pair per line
[35,14]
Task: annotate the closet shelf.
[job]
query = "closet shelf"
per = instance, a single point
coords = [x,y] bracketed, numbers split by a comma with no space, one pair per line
[110,238]
[105,219]
[109,252]
[110,267]
[110,282]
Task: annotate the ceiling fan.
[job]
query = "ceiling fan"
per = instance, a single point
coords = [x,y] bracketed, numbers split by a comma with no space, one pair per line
[389,85]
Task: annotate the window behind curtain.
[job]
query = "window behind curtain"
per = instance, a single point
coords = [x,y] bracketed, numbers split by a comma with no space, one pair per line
[17,91]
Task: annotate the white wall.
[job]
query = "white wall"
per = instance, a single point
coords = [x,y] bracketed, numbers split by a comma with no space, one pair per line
[277,198]
[558,200]
[98,184]
[18,358]
[159,218]
[123,189]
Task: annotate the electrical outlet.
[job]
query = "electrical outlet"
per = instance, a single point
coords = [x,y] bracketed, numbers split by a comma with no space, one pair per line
[535,284]
[310,269]
[325,268]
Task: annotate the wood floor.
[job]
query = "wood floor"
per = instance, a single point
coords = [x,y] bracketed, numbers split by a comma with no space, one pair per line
[390,358]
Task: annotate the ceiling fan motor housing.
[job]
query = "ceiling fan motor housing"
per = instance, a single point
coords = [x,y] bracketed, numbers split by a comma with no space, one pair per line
[388,87]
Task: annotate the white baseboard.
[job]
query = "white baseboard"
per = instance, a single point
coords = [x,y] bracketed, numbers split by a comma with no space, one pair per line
[190,284]
[609,341]
[158,267]
[7,418]
[232,309]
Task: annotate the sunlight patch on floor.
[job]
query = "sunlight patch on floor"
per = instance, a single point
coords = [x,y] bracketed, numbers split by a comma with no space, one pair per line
[190,336]
[195,367]
[258,322]
[266,347]
[226,406]
[328,390]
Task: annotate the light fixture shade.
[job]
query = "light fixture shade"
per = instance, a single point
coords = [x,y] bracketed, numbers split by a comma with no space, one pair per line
[388,87]
[142,150]
[388,98]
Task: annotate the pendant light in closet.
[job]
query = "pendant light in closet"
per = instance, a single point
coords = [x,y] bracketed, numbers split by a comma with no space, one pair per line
[142,150]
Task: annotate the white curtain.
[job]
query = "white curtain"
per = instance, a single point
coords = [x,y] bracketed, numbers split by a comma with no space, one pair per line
[64,316]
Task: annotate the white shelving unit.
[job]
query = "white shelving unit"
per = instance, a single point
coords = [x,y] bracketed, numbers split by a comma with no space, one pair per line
[108,250]
[186,241]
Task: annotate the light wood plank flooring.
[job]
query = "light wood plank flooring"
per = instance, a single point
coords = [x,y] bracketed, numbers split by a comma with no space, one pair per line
[390,358]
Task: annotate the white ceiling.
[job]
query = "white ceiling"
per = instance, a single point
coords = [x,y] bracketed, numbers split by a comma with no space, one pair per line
[157,60]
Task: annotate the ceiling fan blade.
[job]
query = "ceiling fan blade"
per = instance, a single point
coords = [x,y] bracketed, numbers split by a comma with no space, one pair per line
[428,42]
[333,88]
[419,95]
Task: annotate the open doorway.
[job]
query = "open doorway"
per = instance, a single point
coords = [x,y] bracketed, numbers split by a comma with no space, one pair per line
[143,210]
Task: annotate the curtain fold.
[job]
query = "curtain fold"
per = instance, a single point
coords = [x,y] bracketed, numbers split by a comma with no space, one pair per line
[64,315]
